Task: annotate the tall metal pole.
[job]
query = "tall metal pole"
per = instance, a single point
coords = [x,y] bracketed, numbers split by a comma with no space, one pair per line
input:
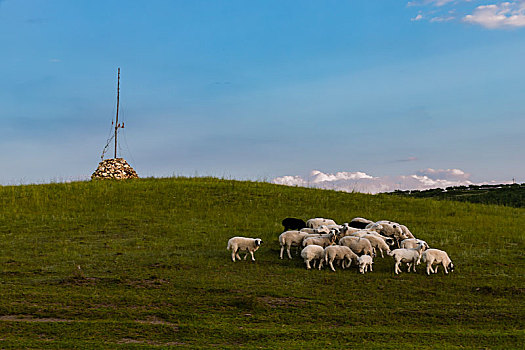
[116,121]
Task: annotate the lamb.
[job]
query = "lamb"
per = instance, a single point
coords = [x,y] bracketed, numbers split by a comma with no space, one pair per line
[289,239]
[436,256]
[323,241]
[340,253]
[293,224]
[365,262]
[313,253]
[377,242]
[411,256]
[316,222]
[357,244]
[413,243]
[236,244]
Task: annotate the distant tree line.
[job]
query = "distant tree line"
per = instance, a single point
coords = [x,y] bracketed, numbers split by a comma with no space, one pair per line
[509,195]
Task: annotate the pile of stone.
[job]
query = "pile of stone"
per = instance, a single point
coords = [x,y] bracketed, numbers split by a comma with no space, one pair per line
[114,168]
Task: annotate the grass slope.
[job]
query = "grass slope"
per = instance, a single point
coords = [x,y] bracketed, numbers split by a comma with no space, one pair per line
[142,264]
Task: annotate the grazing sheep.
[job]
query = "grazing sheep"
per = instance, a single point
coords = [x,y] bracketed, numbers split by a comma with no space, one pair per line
[290,239]
[313,253]
[436,256]
[309,230]
[377,242]
[365,262]
[374,227]
[357,244]
[293,224]
[411,256]
[359,222]
[406,231]
[389,229]
[322,229]
[388,240]
[316,222]
[330,228]
[413,243]
[340,253]
[363,233]
[347,230]
[323,241]
[236,244]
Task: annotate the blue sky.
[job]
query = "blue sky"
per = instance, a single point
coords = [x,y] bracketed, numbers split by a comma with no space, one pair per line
[263,89]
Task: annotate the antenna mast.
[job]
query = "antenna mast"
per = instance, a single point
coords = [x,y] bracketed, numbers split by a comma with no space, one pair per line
[116,121]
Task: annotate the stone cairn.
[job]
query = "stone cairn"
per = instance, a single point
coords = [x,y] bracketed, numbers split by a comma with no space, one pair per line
[114,168]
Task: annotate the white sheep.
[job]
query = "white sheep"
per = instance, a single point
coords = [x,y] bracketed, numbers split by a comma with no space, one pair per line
[413,243]
[323,240]
[364,232]
[236,244]
[313,253]
[411,256]
[347,230]
[377,243]
[322,229]
[340,253]
[316,222]
[436,256]
[388,240]
[390,229]
[406,231]
[357,244]
[309,230]
[336,228]
[365,262]
[374,227]
[290,239]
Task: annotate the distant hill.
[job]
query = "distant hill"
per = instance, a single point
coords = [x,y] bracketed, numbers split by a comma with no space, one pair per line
[509,195]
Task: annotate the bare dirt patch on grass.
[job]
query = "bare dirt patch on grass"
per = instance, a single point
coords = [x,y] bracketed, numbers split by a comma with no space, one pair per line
[275,302]
[148,342]
[157,321]
[29,318]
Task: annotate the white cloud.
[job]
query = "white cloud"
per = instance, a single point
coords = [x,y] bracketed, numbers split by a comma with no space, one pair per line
[442,19]
[501,15]
[438,3]
[419,17]
[444,174]
[441,2]
[362,182]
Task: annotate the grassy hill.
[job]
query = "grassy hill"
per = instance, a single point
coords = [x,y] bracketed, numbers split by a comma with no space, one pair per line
[143,264]
[509,195]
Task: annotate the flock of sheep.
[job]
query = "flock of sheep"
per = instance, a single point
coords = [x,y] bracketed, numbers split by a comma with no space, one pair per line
[325,242]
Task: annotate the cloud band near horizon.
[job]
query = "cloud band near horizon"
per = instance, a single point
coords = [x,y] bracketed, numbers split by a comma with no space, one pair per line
[365,183]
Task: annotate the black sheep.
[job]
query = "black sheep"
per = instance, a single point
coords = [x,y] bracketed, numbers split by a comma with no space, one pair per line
[293,224]
[357,224]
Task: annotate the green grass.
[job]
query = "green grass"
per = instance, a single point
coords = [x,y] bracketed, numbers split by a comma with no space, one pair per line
[143,263]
